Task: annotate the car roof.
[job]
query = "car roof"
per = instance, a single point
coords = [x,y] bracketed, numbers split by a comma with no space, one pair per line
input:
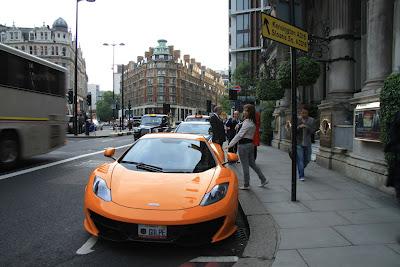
[155,115]
[195,137]
[198,116]
[195,122]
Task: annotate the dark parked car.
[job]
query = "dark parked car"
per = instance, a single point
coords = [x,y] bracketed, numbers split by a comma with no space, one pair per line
[152,123]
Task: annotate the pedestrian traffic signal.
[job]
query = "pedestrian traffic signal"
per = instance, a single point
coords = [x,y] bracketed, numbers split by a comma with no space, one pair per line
[89,99]
[70,97]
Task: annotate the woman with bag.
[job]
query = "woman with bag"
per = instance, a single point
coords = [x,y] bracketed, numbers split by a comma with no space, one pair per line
[246,148]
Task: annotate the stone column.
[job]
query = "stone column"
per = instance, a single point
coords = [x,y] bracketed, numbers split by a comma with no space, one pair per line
[396,36]
[341,49]
[379,42]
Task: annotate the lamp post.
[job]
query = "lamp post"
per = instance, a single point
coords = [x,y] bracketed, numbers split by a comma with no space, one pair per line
[113,46]
[76,70]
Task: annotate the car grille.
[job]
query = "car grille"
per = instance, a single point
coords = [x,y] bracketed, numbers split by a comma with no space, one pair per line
[189,234]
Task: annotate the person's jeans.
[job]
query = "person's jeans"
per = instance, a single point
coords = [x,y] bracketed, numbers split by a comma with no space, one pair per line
[246,154]
[303,158]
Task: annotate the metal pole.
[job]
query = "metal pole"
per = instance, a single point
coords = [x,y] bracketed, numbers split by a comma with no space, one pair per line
[76,75]
[122,96]
[114,106]
[294,107]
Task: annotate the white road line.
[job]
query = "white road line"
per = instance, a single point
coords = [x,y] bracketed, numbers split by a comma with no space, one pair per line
[87,247]
[216,259]
[13,174]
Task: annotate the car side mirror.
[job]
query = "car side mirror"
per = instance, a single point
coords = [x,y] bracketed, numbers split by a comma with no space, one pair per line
[232,157]
[177,123]
[109,152]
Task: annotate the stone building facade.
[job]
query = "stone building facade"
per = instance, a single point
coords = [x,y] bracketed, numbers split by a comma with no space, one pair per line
[162,77]
[357,43]
[54,44]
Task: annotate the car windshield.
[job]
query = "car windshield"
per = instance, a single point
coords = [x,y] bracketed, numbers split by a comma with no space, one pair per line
[194,128]
[171,155]
[197,119]
[149,120]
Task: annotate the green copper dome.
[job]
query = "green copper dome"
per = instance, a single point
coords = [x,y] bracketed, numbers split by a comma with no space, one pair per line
[162,48]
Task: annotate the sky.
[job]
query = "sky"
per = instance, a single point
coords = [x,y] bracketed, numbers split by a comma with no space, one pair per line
[196,27]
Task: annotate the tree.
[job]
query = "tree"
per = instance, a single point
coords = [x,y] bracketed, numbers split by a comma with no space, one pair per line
[308,71]
[225,104]
[268,89]
[104,107]
[242,76]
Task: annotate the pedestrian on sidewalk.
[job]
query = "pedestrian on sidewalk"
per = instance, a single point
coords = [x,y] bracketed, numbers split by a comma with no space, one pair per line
[305,128]
[231,131]
[393,146]
[217,127]
[246,148]
[256,138]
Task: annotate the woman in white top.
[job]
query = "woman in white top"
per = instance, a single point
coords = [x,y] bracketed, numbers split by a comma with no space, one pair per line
[246,149]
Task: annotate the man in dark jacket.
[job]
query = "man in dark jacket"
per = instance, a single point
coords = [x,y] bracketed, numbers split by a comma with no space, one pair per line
[393,147]
[231,131]
[217,127]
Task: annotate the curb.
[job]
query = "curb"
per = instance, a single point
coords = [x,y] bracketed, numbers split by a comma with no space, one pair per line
[264,234]
[100,136]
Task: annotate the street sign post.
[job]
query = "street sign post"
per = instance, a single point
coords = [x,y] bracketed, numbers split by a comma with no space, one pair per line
[283,32]
[287,34]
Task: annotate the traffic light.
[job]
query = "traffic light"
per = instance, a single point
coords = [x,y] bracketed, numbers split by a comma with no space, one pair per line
[232,94]
[208,106]
[129,105]
[89,99]
[166,108]
[70,97]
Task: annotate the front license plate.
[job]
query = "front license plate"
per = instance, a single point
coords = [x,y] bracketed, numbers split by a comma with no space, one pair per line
[152,231]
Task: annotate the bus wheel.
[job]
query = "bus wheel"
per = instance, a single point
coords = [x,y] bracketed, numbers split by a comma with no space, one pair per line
[9,151]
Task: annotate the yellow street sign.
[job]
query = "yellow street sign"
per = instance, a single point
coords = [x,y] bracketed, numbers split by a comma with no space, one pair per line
[283,32]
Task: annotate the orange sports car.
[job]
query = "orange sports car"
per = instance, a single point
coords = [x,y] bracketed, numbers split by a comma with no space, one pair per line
[164,188]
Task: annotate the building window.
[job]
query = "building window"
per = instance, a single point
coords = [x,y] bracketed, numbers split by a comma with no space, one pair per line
[58,35]
[35,50]
[242,4]
[161,72]
[161,80]
[149,90]
[160,90]
[242,57]
[41,35]
[64,51]
[41,50]
[64,35]
[149,81]
[52,51]
[46,36]
[172,81]
[45,50]
[56,50]
[30,50]
[172,90]
[23,48]
[31,36]
[242,31]
[160,98]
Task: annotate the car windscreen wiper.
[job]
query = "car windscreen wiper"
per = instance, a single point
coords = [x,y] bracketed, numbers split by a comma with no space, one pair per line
[143,166]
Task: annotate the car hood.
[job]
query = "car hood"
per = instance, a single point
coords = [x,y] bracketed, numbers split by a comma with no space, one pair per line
[160,191]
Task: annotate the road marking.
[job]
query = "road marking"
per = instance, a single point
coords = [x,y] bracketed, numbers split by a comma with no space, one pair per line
[87,247]
[17,173]
[216,259]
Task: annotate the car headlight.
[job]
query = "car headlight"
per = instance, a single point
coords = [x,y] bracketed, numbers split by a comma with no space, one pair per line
[215,195]
[100,189]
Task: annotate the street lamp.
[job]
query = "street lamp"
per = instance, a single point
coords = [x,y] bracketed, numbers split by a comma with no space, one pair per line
[113,46]
[76,70]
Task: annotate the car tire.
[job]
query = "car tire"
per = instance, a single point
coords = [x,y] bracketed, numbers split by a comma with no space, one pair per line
[9,151]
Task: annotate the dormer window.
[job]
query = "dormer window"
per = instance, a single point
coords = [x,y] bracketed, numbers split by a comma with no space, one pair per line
[31,36]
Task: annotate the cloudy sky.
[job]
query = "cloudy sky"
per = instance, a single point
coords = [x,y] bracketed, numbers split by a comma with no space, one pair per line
[196,27]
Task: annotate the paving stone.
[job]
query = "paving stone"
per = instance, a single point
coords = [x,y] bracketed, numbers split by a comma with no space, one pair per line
[286,207]
[365,234]
[309,219]
[252,262]
[380,215]
[310,238]
[351,256]
[282,197]
[288,258]
[336,204]
[336,194]
[395,247]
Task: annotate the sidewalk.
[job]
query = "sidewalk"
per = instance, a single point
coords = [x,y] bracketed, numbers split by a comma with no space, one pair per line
[336,222]
[101,134]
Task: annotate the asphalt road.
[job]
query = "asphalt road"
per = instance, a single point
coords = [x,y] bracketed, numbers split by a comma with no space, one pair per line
[41,217]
